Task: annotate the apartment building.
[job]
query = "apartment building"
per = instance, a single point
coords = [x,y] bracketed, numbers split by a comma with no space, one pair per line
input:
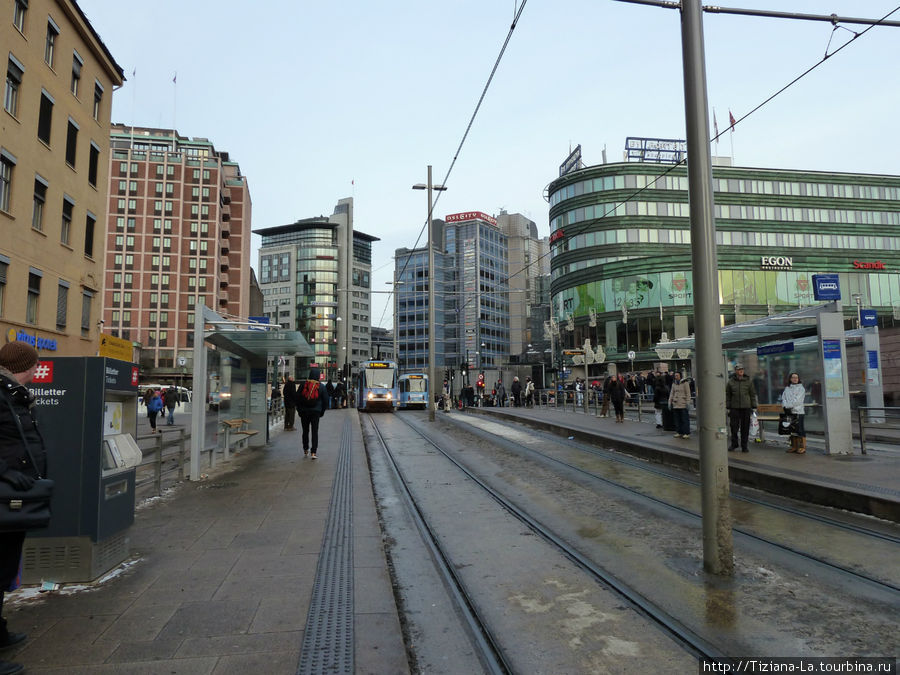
[178,234]
[54,158]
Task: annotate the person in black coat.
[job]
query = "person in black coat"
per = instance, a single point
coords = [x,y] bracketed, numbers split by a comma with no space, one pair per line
[18,362]
[617,395]
[311,410]
[660,397]
[289,394]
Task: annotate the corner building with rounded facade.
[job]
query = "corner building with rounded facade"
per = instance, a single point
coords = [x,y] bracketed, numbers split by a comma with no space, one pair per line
[621,244]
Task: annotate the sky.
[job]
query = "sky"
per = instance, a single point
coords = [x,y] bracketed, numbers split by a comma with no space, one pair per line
[318,101]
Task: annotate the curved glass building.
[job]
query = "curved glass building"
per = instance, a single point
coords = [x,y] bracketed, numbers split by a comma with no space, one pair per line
[621,245]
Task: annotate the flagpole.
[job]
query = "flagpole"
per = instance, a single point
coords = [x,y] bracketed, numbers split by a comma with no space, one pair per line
[133,96]
[174,109]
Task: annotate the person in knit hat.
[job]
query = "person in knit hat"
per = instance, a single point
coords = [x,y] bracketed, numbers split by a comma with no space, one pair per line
[18,362]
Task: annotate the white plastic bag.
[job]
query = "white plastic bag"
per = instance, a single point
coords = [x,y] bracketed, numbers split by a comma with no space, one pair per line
[754,425]
[658,417]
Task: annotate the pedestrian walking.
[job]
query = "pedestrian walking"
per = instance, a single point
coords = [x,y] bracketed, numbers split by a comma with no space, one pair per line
[501,394]
[617,396]
[170,399]
[340,394]
[329,390]
[792,398]
[679,400]
[529,392]
[660,397]
[154,406]
[607,385]
[516,390]
[289,394]
[740,401]
[19,467]
[312,400]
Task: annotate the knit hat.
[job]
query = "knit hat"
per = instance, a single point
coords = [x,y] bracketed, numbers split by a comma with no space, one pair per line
[314,373]
[17,357]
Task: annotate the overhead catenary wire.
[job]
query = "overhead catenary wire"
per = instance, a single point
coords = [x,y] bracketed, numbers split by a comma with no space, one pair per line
[516,17]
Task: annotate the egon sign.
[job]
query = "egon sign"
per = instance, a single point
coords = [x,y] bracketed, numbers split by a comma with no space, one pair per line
[776,262]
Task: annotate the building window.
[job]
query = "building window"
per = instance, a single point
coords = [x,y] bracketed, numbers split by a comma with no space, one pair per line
[89,224]
[71,143]
[19,15]
[98,100]
[50,44]
[93,162]
[40,196]
[14,73]
[34,294]
[7,163]
[62,305]
[77,62]
[86,301]
[45,117]
[66,231]
[4,266]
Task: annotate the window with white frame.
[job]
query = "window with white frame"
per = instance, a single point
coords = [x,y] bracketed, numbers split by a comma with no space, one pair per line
[7,164]
[50,43]
[34,294]
[66,228]
[21,7]
[77,63]
[98,100]
[15,71]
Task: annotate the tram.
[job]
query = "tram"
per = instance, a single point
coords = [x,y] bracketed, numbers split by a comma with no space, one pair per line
[413,391]
[377,386]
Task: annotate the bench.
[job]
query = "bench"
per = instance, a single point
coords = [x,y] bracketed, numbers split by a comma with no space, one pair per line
[767,412]
[236,428]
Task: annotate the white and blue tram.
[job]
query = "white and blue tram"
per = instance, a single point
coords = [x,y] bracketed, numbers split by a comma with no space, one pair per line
[377,386]
[413,391]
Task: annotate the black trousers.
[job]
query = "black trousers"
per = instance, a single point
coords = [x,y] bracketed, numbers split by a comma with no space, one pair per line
[310,422]
[10,554]
[739,419]
[289,413]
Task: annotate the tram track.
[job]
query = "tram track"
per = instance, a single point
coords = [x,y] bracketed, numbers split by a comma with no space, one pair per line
[646,547]
[886,586]
[695,644]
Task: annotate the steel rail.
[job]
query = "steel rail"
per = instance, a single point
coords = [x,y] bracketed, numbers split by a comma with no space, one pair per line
[745,533]
[693,642]
[489,650]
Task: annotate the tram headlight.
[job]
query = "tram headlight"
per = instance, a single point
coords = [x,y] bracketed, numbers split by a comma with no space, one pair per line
[371,395]
[389,396]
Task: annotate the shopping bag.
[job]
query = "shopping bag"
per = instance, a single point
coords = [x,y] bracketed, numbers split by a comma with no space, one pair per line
[787,424]
[754,425]
[658,413]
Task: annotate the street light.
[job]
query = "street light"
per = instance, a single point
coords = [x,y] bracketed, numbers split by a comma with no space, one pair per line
[431,277]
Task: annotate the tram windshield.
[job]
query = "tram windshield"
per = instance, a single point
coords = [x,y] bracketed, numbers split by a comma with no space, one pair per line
[380,378]
[417,384]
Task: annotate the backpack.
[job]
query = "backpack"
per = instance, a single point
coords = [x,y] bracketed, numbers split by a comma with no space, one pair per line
[309,394]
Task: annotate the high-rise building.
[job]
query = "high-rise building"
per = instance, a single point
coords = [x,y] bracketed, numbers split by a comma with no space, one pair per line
[54,150]
[411,280]
[315,275]
[529,259]
[178,235]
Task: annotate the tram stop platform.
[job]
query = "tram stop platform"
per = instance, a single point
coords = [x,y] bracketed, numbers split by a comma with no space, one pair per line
[860,483]
[273,564]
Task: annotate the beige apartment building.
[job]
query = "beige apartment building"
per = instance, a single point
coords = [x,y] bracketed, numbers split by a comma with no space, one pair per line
[178,234]
[54,158]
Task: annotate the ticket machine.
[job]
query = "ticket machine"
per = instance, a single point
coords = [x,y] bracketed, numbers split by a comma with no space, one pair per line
[87,414]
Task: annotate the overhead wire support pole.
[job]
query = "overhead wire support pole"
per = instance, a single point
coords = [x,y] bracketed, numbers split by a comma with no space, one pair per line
[718,548]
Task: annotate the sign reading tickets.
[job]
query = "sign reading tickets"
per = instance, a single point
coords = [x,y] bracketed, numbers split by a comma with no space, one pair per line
[116,348]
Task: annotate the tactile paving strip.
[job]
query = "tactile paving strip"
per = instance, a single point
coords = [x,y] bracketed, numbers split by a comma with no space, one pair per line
[328,638]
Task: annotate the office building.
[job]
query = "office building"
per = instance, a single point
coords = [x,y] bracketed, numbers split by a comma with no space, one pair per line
[315,275]
[178,235]
[621,246]
[54,153]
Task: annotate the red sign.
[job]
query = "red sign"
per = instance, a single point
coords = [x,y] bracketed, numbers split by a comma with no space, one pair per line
[469,215]
[44,372]
[134,376]
[877,265]
[556,236]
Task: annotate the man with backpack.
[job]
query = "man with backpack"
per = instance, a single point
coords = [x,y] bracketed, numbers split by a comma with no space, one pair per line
[312,399]
[170,398]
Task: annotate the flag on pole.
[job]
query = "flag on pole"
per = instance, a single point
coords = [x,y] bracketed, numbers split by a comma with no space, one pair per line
[731,120]
[134,72]
[716,127]
[175,79]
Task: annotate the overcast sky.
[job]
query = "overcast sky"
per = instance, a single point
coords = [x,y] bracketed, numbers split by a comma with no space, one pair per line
[323,100]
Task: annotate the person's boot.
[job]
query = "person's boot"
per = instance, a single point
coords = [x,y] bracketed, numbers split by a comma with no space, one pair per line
[801,445]
[794,444]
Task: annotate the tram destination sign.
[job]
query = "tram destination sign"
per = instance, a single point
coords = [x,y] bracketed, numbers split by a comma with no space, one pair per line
[782,348]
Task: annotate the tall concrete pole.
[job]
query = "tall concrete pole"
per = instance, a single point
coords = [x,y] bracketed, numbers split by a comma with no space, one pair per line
[432,326]
[718,551]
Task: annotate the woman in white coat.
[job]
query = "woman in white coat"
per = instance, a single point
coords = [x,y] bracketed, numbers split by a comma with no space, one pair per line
[792,399]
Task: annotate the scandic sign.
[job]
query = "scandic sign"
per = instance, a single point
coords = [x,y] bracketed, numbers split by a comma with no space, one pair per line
[859,265]
[469,215]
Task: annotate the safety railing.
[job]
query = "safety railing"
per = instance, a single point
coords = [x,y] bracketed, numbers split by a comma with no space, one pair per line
[167,456]
[880,419]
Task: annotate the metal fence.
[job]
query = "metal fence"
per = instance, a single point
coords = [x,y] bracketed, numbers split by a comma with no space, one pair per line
[877,419]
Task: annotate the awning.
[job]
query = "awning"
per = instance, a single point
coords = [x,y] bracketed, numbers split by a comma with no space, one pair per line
[261,344]
[788,326]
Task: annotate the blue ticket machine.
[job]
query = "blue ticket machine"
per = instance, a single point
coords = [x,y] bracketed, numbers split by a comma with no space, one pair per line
[87,414]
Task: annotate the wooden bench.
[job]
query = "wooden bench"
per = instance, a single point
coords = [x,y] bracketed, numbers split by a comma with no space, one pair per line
[236,427]
[767,412]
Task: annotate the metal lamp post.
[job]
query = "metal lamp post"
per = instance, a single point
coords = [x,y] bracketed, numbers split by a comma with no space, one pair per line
[431,282]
